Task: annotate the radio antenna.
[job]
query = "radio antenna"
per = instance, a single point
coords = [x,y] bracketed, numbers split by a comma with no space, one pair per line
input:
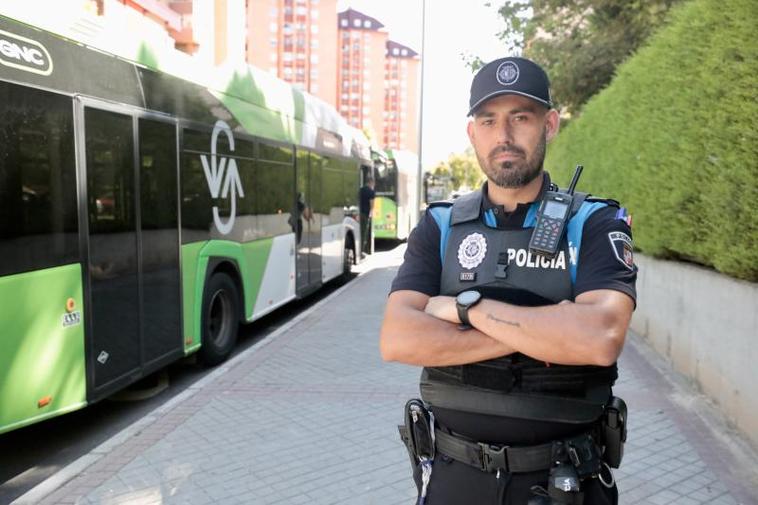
[575,179]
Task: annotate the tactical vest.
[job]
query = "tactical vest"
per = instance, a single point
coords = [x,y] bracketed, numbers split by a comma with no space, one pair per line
[476,255]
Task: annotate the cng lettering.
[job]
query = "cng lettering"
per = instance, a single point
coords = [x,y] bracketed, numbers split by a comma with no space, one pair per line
[24,54]
[214,174]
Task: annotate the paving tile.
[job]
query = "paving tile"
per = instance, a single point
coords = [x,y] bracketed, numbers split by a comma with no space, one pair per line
[311,418]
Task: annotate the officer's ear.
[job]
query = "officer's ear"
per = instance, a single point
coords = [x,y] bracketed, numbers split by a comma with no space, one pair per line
[552,124]
[470,130]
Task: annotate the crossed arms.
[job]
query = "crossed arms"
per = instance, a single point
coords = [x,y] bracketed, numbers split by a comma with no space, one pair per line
[422,330]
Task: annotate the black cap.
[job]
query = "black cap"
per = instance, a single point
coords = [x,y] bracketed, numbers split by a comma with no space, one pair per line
[510,76]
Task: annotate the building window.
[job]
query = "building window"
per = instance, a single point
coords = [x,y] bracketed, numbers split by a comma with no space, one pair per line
[367,24]
[343,22]
[357,23]
[274,27]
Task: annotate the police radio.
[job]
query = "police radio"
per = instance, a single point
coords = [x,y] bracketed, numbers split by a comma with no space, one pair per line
[552,216]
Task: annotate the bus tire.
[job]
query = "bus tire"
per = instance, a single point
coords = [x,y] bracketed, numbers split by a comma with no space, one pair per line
[348,260]
[220,319]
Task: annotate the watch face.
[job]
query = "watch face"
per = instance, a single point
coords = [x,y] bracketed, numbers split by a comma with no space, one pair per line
[468,297]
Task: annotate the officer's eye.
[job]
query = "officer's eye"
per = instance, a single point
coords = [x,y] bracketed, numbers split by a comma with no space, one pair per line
[520,118]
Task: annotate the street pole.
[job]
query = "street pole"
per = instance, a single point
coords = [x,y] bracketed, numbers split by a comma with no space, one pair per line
[420,183]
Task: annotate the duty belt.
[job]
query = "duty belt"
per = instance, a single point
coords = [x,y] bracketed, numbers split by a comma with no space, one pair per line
[491,458]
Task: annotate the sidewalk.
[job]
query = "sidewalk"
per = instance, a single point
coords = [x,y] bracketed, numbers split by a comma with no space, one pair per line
[309,415]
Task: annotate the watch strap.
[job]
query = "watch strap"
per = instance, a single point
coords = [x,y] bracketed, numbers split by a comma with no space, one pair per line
[463,315]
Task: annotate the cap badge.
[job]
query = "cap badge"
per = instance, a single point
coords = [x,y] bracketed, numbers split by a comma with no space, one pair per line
[472,250]
[507,73]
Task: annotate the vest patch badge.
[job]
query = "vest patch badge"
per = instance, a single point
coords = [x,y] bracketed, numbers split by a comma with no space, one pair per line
[472,250]
[467,277]
[622,247]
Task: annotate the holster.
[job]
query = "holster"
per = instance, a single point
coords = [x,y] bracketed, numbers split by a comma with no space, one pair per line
[416,433]
[614,431]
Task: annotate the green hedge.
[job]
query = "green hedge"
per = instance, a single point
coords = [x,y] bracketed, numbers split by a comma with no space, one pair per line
[674,137]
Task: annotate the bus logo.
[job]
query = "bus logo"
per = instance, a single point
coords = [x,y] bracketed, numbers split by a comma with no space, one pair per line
[219,185]
[24,54]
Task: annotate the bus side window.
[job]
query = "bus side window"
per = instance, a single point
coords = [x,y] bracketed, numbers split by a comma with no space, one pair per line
[38,211]
[275,178]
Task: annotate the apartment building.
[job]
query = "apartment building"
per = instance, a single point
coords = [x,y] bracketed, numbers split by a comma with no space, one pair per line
[297,41]
[401,98]
[360,71]
[346,58]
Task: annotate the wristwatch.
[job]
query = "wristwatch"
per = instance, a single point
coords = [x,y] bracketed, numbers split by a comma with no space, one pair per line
[463,302]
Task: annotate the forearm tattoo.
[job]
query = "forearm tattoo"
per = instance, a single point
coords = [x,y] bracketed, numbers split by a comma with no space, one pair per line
[509,323]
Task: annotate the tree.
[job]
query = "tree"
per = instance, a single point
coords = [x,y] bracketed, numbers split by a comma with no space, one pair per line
[462,169]
[579,42]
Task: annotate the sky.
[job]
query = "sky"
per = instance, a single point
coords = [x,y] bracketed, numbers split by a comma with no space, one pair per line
[452,28]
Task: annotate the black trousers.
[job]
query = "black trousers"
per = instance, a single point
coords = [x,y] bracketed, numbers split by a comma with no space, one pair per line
[365,233]
[456,483]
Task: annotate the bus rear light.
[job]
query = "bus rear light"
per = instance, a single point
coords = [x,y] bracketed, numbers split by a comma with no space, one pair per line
[44,401]
[188,341]
[70,305]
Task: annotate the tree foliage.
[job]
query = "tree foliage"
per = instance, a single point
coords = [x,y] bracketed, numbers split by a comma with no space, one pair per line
[462,169]
[579,42]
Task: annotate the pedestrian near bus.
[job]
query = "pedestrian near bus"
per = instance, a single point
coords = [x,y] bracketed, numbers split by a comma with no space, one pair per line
[367,196]
[518,343]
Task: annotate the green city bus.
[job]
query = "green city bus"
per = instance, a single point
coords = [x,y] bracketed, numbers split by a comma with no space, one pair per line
[143,216]
[396,206]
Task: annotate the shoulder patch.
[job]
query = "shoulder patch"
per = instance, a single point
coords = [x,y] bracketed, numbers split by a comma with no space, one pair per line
[622,247]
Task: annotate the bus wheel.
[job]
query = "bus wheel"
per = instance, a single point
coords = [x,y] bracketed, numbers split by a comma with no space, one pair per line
[348,259]
[220,319]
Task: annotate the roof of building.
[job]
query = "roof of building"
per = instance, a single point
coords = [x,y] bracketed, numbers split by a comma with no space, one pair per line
[398,50]
[351,19]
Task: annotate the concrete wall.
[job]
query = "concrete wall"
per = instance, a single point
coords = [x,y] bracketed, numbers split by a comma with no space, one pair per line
[706,325]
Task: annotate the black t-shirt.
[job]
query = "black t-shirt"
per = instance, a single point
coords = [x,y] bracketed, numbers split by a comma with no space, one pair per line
[366,194]
[601,265]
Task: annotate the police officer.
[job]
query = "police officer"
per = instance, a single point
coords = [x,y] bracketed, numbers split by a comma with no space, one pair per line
[519,350]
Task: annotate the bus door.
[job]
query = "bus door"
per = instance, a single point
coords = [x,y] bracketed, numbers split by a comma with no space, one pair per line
[132,246]
[308,234]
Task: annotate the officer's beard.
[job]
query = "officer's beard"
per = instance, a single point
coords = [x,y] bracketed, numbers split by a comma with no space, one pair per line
[515,173]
